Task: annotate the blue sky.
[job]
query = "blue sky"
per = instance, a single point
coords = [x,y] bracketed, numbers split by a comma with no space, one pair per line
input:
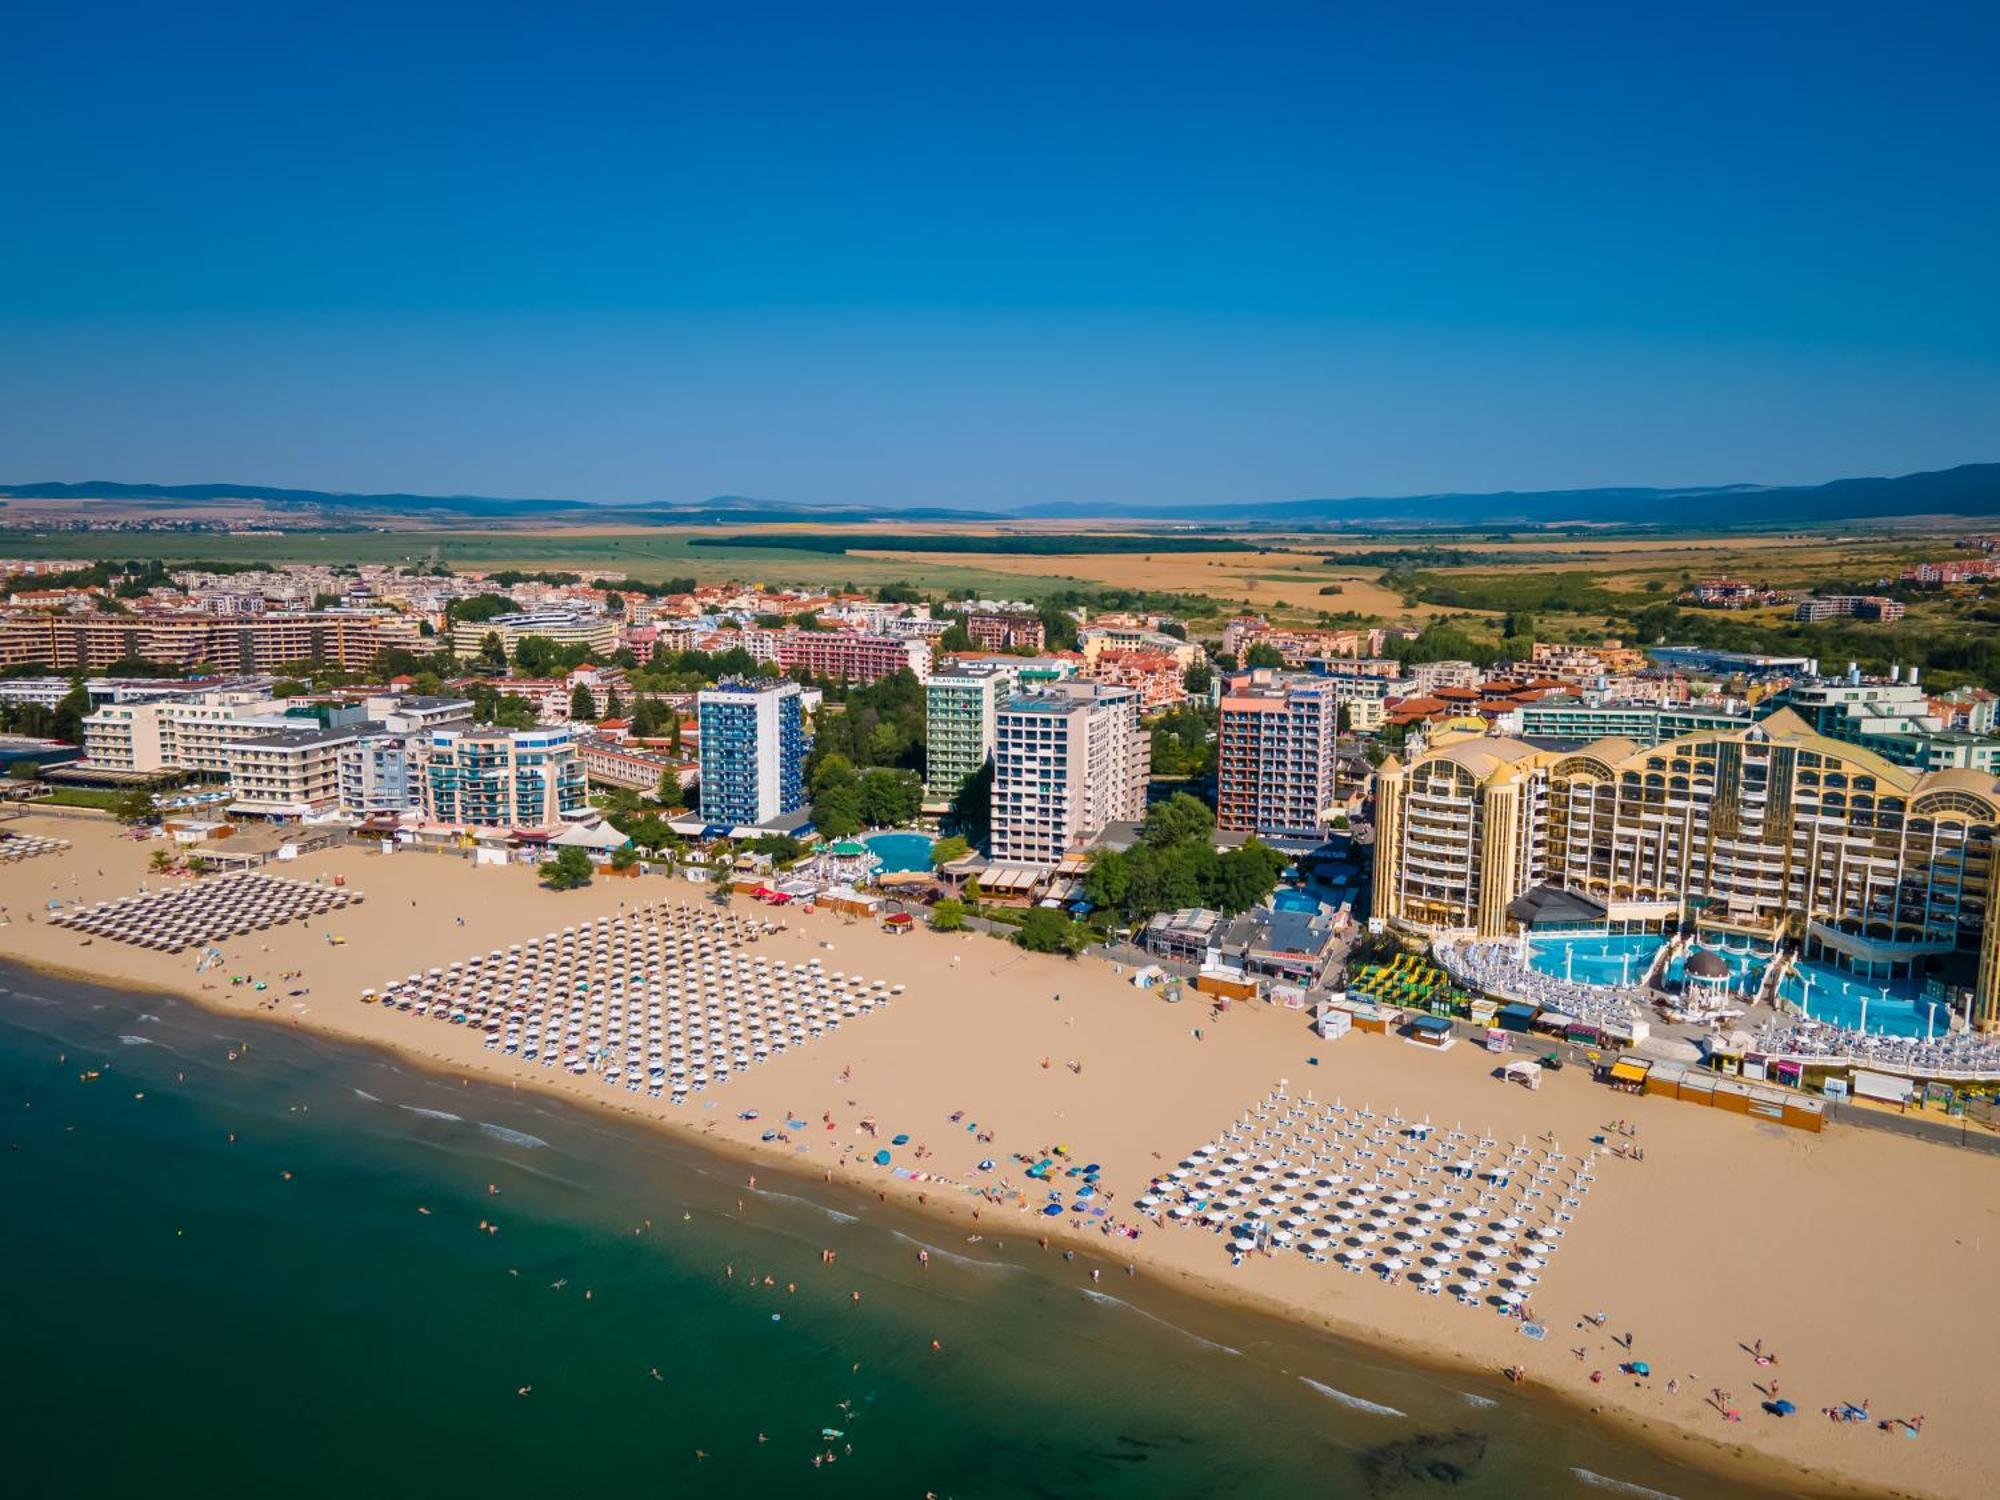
[984,255]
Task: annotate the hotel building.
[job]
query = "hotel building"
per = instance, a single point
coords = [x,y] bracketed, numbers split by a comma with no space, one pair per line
[1066,762]
[565,627]
[290,774]
[1771,830]
[753,752]
[960,706]
[1276,738]
[503,778]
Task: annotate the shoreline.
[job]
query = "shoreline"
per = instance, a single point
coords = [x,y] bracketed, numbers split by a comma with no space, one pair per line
[1706,1454]
[706,1120]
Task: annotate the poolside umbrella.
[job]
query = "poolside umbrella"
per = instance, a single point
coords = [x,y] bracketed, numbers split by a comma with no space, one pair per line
[1782,1408]
[1243,1244]
[881,1158]
[1053,1211]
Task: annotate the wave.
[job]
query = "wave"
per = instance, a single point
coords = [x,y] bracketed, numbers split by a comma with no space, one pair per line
[832,1213]
[963,1260]
[1107,1299]
[1623,1487]
[433,1114]
[1472,1400]
[1354,1401]
[137,1041]
[512,1137]
[145,1017]
[364,1094]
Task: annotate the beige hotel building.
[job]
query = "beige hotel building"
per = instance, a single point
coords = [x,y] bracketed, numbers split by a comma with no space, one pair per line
[1771,830]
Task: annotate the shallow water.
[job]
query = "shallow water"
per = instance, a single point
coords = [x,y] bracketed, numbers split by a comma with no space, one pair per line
[181,1311]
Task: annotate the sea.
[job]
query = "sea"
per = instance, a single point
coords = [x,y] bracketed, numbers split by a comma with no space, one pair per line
[240,1259]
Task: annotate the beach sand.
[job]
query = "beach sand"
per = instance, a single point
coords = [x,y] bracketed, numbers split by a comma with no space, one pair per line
[1859,1257]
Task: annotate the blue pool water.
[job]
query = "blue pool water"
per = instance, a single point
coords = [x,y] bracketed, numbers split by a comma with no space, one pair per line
[1896,1007]
[901,851]
[1597,959]
[1289,900]
[1746,966]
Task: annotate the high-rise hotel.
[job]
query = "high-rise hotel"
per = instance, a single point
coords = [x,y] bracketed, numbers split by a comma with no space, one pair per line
[753,752]
[1066,762]
[1773,830]
[1277,738]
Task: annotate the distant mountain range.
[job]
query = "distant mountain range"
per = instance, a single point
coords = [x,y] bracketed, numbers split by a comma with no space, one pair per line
[1968,490]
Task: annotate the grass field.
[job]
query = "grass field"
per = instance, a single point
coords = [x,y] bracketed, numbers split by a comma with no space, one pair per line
[1569,581]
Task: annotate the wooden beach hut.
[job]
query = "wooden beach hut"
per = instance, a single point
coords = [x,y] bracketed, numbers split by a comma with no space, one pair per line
[1767,1104]
[1628,1075]
[1697,1087]
[1732,1095]
[1804,1113]
[1665,1078]
[1431,1031]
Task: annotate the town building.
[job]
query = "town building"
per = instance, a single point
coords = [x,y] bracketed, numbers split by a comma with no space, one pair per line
[1875,607]
[349,640]
[849,656]
[1277,740]
[753,753]
[1067,761]
[1005,627]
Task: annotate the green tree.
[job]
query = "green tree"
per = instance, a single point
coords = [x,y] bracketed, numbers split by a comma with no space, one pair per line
[570,869]
[24,770]
[836,798]
[669,791]
[582,706]
[536,655]
[956,639]
[947,850]
[1198,679]
[624,858]
[972,806]
[890,799]
[1045,930]
[614,706]
[1263,654]
[1108,881]
[479,607]
[134,806]
[1178,820]
[493,653]
[948,914]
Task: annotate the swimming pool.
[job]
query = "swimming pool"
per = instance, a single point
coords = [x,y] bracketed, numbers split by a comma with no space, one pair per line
[1291,900]
[901,851]
[1894,1007]
[1603,959]
[1746,965]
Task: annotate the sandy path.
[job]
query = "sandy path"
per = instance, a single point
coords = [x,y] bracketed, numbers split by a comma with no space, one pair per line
[1863,1259]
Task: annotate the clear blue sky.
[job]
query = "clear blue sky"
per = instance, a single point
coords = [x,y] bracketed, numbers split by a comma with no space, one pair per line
[985,254]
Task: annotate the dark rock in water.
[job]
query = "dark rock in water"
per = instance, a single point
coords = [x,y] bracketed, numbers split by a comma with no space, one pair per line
[1445,1458]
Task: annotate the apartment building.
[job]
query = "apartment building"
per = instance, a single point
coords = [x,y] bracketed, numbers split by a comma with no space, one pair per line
[753,752]
[960,704]
[351,641]
[848,656]
[1094,640]
[1875,607]
[1277,736]
[381,774]
[1006,628]
[503,778]
[1772,829]
[1067,761]
[1156,676]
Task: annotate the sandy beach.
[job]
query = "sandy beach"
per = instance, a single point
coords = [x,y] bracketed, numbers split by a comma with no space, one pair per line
[1858,1257]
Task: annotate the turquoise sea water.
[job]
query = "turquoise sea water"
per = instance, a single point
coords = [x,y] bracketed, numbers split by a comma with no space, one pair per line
[183,1315]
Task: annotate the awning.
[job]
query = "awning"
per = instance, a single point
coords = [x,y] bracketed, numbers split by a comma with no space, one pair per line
[1626,1071]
